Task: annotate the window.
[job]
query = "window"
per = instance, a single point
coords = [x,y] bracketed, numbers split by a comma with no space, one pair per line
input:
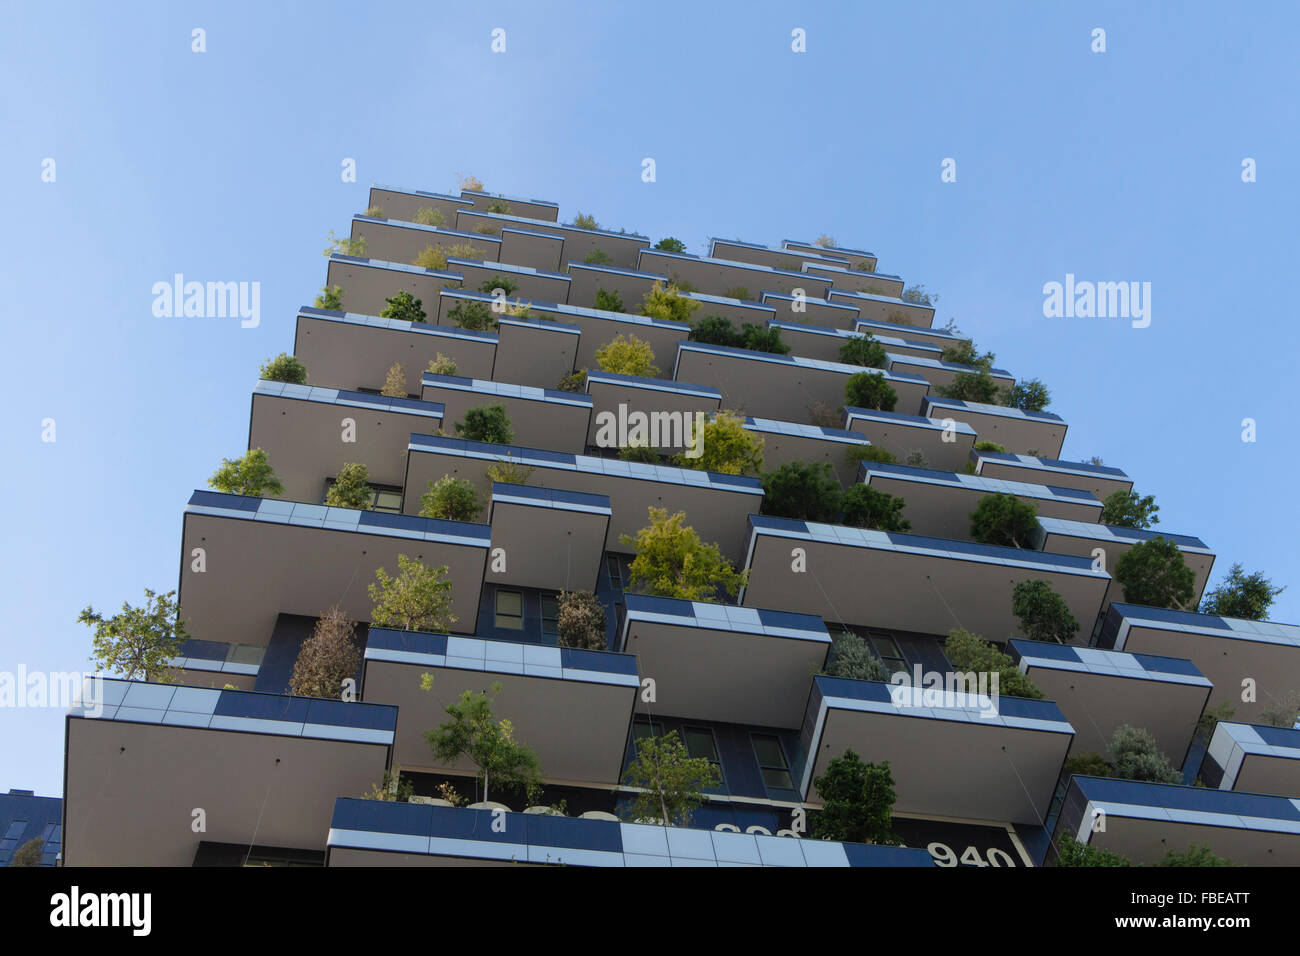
[700,743]
[888,651]
[15,830]
[641,729]
[772,762]
[386,498]
[615,571]
[510,610]
[550,615]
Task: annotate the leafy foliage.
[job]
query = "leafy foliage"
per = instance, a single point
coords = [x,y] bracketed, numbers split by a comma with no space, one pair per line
[627,355]
[580,620]
[1195,855]
[450,498]
[851,657]
[575,381]
[1127,510]
[863,350]
[609,301]
[978,386]
[395,381]
[1029,396]
[969,652]
[443,365]
[473,314]
[584,221]
[858,801]
[870,390]
[417,599]
[1070,852]
[403,307]
[726,447]
[345,246]
[326,659]
[474,733]
[137,642]
[666,302]
[825,415]
[715,330]
[488,423]
[872,453]
[989,446]
[672,561]
[1086,765]
[284,368]
[918,295]
[738,292]
[759,338]
[507,471]
[1005,520]
[431,257]
[669,244]
[867,507]
[29,854]
[1241,595]
[597,257]
[250,474]
[1134,756]
[806,491]
[331,298]
[1043,614]
[427,216]
[669,781]
[350,488]
[499,285]
[1155,574]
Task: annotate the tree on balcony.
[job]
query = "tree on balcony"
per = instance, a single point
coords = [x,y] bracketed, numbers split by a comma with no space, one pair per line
[726,447]
[825,415]
[250,474]
[468,182]
[331,298]
[989,446]
[450,498]
[1126,509]
[505,285]
[856,454]
[507,471]
[442,365]
[666,302]
[1070,852]
[395,381]
[609,301]
[417,599]
[805,491]
[1241,595]
[977,386]
[672,561]
[669,244]
[345,246]
[1004,520]
[1028,396]
[427,216]
[627,355]
[580,620]
[867,507]
[759,338]
[137,642]
[350,488]
[474,733]
[863,350]
[1195,855]
[585,221]
[870,390]
[473,315]
[486,423]
[917,294]
[431,257]
[1283,711]
[738,292]
[858,802]
[968,652]
[668,780]
[404,307]
[597,257]
[29,854]
[328,658]
[1086,765]
[1135,756]
[1155,574]
[715,330]
[575,381]
[964,352]
[284,368]
[1043,614]
[851,657]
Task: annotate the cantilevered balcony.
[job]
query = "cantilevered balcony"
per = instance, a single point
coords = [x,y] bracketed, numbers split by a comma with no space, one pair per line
[400,203]
[738,311]
[857,258]
[1253,759]
[780,386]
[723,663]
[1145,821]
[542,417]
[629,284]
[904,581]
[1237,655]
[802,310]
[1063,536]
[952,754]
[912,333]
[789,260]
[874,307]
[852,280]
[347,350]
[540,209]
[530,283]
[265,768]
[310,433]
[547,538]
[940,503]
[216,664]
[938,372]
[367,284]
[1100,691]
[717,276]
[715,505]
[395,240]
[1041,433]
[785,442]
[623,395]
[246,560]
[1100,480]
[573,707]
[945,446]
[381,833]
[822,342]
[621,247]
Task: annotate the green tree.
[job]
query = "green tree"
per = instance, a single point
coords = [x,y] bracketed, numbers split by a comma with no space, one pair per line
[666,302]
[326,659]
[351,488]
[487,423]
[442,365]
[597,257]
[851,657]
[964,352]
[738,292]
[609,301]
[627,355]
[1029,396]
[250,474]
[1134,756]
[345,246]
[575,381]
[474,733]
[644,454]
[330,298]
[727,447]
[404,307]
[1242,595]
[667,780]
[450,498]
[1153,573]
[580,620]
[863,350]
[858,801]
[669,244]
[968,652]
[672,561]
[1043,614]
[1127,510]
[29,854]
[989,446]
[1070,852]
[137,642]
[584,221]
[417,599]
[505,285]
[871,453]
[427,216]
[1004,520]
[978,386]
[1086,765]
[758,338]
[870,390]
[1282,712]
[1195,855]
[432,257]
[917,294]
[507,471]
[867,507]
[394,381]
[284,368]
[474,315]
[806,491]
[716,330]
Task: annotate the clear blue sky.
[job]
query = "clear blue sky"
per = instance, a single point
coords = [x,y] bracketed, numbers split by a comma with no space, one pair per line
[225,166]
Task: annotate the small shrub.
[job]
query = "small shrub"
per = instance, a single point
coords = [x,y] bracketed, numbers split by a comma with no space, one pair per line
[450,498]
[851,657]
[608,301]
[431,257]
[825,415]
[581,621]
[627,355]
[644,454]
[865,507]
[871,453]
[374,212]
[509,472]
[806,491]
[575,381]
[1136,757]
[758,338]
[597,257]
[487,423]
[499,206]
[666,302]
[250,474]
[473,314]
[395,381]
[403,307]
[345,246]
[968,652]
[499,285]
[669,244]
[989,446]
[468,182]
[331,298]
[870,390]
[442,365]
[430,217]
[863,350]
[350,488]
[738,292]
[584,221]
[284,368]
